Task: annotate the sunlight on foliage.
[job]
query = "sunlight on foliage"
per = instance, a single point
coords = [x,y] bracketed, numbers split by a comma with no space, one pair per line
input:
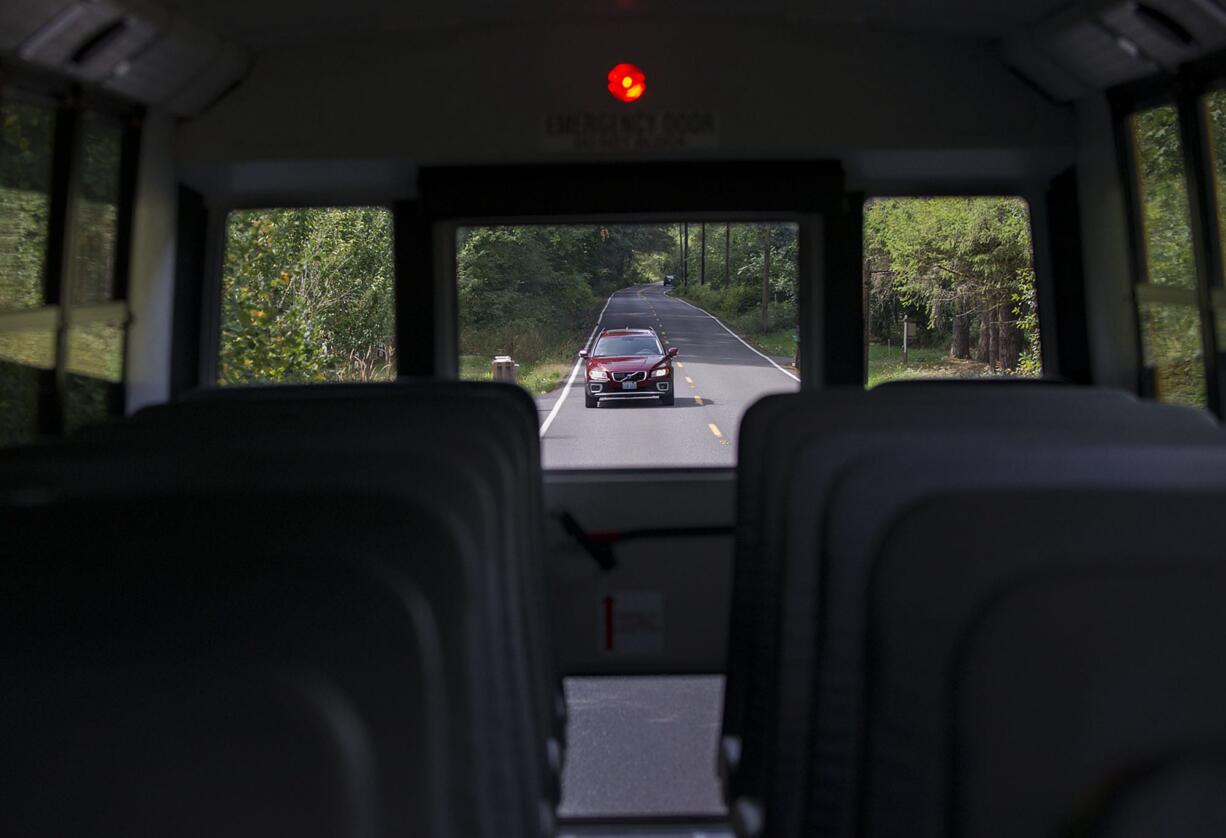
[25,187]
[1171,342]
[307,296]
[962,269]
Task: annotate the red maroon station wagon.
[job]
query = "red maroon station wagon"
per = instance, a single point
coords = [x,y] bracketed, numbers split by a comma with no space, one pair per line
[628,364]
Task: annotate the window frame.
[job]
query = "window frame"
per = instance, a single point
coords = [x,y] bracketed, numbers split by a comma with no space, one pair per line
[70,102]
[810,194]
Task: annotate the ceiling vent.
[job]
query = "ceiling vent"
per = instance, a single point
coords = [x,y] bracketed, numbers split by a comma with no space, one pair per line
[1099,45]
[1155,34]
[89,40]
[129,47]
[183,71]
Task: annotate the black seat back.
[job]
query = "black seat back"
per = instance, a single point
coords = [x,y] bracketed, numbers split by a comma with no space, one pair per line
[205,663]
[1042,652]
[765,716]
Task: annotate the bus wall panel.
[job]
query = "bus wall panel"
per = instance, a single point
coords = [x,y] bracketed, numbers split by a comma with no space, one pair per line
[483,96]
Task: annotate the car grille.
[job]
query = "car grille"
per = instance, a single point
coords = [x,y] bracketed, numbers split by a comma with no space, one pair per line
[629,376]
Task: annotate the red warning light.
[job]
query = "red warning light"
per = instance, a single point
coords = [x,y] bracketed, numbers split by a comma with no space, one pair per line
[627,83]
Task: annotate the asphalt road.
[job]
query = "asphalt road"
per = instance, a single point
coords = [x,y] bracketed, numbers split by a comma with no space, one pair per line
[717,376]
[642,746]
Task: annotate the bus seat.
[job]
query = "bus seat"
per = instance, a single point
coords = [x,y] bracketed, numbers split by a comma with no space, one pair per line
[492,428]
[1051,684]
[200,753]
[245,663]
[839,703]
[771,431]
[1174,796]
[243,444]
[765,725]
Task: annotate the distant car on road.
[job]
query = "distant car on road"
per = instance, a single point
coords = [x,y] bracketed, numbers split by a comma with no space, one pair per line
[668,279]
[628,364]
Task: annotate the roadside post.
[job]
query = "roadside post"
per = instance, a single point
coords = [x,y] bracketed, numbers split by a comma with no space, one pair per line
[908,332]
[505,369]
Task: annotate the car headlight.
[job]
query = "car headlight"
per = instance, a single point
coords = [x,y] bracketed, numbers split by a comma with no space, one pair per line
[597,375]
[659,372]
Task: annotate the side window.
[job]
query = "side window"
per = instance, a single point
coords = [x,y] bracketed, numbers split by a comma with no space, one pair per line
[94,349]
[307,296]
[949,288]
[62,319]
[27,348]
[1214,110]
[1166,297]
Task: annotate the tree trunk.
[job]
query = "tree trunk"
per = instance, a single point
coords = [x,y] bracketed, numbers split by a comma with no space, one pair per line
[727,255]
[867,291]
[994,339]
[766,275]
[984,352]
[1010,343]
[960,344]
[702,254]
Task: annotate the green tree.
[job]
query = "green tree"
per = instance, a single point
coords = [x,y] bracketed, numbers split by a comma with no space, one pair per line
[962,266]
[1170,332]
[307,295]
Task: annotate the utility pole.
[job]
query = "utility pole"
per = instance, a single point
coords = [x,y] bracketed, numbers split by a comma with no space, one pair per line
[867,283]
[766,274]
[702,254]
[680,247]
[685,255]
[727,254]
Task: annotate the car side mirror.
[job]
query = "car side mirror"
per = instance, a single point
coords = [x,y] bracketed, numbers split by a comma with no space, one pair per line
[582,353]
[671,353]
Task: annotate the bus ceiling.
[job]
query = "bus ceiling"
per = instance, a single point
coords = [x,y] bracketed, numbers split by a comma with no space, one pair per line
[182,56]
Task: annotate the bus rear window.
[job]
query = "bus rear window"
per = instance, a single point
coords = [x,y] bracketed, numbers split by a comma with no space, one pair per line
[642,344]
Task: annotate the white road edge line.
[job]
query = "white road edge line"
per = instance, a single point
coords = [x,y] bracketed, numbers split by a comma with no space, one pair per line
[575,371]
[766,358]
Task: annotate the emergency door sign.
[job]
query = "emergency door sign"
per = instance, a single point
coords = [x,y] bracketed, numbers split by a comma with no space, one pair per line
[631,623]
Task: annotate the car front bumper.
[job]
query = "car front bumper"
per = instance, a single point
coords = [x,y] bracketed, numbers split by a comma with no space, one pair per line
[613,390]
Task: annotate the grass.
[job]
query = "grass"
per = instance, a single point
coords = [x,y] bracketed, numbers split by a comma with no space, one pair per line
[777,340]
[538,379]
[885,364]
[779,343]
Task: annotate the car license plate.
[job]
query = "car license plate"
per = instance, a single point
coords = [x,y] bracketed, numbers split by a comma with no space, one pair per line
[630,385]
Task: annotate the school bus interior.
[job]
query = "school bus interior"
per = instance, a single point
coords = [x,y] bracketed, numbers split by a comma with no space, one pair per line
[325,509]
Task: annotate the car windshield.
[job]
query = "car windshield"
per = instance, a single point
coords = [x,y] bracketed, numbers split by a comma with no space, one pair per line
[628,345]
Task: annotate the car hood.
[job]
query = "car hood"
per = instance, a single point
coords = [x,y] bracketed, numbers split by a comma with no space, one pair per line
[627,363]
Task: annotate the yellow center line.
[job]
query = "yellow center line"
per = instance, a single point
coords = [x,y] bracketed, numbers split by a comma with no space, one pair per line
[699,400]
[680,365]
[718,435]
[689,381]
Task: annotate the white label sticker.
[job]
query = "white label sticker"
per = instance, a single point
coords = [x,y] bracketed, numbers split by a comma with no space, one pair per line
[631,623]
